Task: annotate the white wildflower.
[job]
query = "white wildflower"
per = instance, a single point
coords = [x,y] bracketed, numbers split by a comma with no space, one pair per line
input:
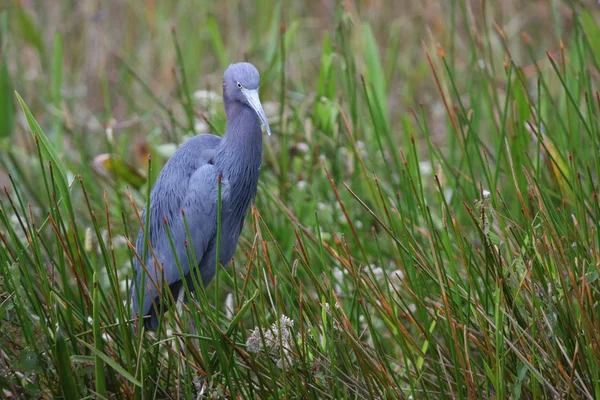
[206,95]
[70,178]
[425,168]
[271,108]
[166,149]
[301,185]
[448,193]
[119,241]
[109,133]
[276,341]
[322,206]
[229,305]
[200,126]
[338,275]
[377,271]
[396,279]
[123,286]
[324,235]
[87,242]
[302,147]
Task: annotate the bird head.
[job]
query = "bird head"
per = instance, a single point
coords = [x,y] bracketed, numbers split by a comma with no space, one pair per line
[240,84]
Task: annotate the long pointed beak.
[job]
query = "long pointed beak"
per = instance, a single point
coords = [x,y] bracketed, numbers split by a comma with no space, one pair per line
[252,96]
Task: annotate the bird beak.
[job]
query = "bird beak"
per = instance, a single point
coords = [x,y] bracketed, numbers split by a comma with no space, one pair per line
[252,97]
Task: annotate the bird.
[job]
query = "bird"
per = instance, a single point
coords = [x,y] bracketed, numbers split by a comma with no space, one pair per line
[187,187]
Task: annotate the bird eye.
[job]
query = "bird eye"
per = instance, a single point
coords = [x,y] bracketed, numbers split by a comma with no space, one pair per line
[239,85]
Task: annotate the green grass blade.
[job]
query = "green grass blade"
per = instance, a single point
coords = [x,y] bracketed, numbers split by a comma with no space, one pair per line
[47,151]
[98,342]
[67,383]
[7,106]
[112,364]
[57,68]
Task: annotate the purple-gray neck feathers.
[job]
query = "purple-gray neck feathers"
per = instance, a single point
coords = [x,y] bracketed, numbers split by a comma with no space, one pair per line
[239,154]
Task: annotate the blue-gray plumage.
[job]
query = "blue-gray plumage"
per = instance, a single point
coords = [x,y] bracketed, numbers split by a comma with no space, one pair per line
[189,183]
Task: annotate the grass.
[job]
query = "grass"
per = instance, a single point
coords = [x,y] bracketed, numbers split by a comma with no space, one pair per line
[426,224]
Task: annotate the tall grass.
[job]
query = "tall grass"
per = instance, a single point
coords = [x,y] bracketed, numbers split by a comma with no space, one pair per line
[426,224]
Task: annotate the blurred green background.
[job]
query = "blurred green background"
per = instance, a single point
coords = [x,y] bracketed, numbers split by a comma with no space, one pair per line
[102,39]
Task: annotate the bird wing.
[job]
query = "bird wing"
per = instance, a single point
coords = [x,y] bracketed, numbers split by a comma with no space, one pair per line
[199,206]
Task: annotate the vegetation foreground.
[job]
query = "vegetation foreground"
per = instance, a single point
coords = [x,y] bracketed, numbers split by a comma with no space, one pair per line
[426,224]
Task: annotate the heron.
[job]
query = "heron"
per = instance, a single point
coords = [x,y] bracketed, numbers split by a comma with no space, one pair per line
[188,187]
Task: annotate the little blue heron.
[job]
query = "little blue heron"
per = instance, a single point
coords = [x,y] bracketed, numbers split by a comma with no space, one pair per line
[188,187]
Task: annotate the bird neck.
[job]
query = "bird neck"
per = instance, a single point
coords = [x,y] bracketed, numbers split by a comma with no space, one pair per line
[241,148]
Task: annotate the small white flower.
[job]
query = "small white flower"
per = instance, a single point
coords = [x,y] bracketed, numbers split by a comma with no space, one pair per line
[301,185]
[361,319]
[109,134]
[271,108]
[362,148]
[119,241]
[206,95]
[229,305]
[338,275]
[201,126]
[302,147]
[425,168]
[448,193]
[398,274]
[123,286]
[377,271]
[485,194]
[87,242]
[70,178]
[325,235]
[276,341]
